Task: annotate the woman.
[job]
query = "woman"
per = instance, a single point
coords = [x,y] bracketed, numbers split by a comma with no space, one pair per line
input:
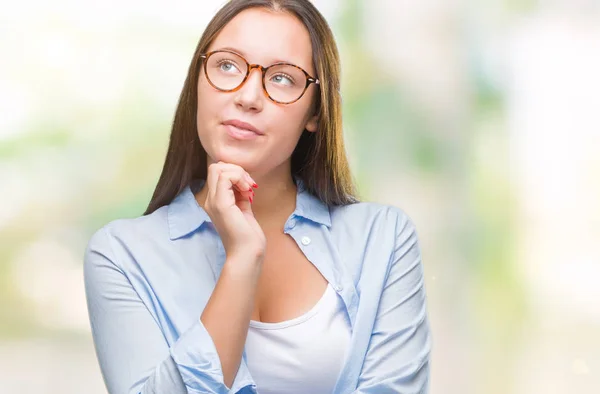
[291,287]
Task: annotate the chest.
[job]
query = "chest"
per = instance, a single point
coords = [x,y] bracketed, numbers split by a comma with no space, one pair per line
[289,284]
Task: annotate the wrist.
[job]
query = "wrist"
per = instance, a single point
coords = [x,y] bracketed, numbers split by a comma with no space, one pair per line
[246,254]
[244,263]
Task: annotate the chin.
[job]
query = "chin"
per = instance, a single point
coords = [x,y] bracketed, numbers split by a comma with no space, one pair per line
[246,160]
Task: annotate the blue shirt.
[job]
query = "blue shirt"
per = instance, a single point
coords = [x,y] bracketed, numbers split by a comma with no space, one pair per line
[148,280]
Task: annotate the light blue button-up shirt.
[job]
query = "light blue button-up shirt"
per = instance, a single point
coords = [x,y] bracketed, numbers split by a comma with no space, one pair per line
[148,279]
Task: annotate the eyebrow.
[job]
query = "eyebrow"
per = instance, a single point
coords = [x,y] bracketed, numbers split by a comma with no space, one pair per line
[241,53]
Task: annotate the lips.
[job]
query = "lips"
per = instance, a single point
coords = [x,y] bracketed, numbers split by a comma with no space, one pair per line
[243,126]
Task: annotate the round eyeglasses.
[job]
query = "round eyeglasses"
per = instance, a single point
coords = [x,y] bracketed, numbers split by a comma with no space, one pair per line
[283,83]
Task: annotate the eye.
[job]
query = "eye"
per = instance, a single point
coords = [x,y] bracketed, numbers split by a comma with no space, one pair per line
[227,66]
[283,79]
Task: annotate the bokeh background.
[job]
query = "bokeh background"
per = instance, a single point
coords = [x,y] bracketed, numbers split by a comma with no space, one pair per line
[481,119]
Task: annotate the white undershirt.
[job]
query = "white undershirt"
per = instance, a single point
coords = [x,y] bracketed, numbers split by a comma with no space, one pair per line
[302,355]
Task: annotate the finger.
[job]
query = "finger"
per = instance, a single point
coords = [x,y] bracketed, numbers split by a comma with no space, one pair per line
[224,192]
[239,182]
[232,187]
[214,171]
[211,180]
[244,187]
[234,167]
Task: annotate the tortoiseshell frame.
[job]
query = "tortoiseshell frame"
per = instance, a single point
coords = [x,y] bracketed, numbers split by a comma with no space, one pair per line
[250,67]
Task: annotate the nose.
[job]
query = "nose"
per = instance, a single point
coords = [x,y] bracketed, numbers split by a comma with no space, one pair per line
[251,96]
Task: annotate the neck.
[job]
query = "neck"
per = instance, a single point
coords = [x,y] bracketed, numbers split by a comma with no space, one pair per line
[274,200]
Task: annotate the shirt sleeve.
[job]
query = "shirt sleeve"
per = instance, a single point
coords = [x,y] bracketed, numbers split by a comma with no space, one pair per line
[133,354]
[397,359]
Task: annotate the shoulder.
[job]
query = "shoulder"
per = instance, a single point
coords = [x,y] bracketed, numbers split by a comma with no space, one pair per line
[373,214]
[122,234]
[372,235]
[379,229]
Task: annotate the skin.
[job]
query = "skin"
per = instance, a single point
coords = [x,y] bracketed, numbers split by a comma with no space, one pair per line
[266,277]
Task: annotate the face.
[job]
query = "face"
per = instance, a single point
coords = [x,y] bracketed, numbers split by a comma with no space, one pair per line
[261,37]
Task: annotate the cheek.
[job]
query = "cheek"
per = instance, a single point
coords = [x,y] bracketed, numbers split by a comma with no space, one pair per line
[205,96]
[291,123]
[209,105]
[299,115]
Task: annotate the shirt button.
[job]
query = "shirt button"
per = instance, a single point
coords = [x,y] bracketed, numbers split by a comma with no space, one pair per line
[292,223]
[338,288]
[305,241]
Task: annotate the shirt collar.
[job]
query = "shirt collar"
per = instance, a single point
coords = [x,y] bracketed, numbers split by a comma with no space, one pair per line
[185,215]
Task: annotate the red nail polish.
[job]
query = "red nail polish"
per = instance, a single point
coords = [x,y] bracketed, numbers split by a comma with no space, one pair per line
[255,185]
[250,200]
[250,190]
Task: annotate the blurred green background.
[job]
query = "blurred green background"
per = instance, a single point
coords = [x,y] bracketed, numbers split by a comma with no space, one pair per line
[480,119]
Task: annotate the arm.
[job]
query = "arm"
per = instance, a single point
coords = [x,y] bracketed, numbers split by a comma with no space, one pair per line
[133,354]
[228,311]
[227,200]
[397,359]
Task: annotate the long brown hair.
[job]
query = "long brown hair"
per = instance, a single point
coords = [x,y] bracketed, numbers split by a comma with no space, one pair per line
[319,159]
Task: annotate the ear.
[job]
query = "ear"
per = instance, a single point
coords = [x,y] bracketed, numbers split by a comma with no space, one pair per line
[312,123]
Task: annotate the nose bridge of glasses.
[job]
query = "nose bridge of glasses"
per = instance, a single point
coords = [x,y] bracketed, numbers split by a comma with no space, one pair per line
[260,68]
[261,72]
[244,84]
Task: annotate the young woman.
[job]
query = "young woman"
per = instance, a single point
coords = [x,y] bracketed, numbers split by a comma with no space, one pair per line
[254,268]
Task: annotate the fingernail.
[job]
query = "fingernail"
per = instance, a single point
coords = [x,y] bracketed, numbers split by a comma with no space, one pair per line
[250,200]
[250,190]
[254,185]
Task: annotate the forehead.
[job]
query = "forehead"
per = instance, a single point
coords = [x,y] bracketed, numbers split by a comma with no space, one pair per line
[266,37]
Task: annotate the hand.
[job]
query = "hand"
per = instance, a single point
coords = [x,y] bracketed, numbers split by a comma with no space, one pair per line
[228,204]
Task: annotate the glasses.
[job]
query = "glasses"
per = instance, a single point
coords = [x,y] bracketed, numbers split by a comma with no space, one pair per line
[283,83]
